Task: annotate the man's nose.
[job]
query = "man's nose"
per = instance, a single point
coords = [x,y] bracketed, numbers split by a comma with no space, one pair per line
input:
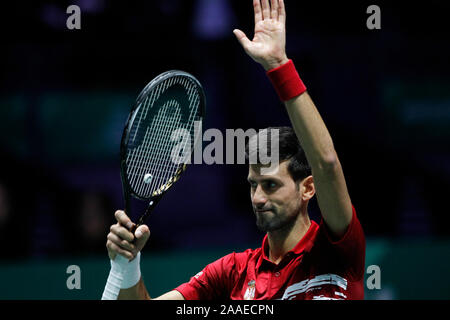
[259,198]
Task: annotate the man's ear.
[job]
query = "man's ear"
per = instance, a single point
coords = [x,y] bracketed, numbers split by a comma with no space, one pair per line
[308,188]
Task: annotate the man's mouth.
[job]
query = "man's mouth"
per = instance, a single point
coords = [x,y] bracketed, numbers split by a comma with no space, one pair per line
[262,210]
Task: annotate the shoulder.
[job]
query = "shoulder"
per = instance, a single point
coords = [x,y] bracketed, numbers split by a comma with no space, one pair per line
[353,234]
[345,254]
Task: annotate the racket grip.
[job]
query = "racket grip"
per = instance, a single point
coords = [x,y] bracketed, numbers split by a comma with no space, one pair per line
[115,278]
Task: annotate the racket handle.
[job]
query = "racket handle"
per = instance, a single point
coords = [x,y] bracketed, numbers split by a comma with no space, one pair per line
[115,278]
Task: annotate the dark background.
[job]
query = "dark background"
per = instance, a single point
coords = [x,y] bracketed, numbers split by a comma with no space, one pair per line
[65,95]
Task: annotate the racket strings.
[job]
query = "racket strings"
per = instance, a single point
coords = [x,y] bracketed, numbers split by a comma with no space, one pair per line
[153,156]
[137,155]
[189,125]
[151,153]
[162,129]
[162,164]
[169,167]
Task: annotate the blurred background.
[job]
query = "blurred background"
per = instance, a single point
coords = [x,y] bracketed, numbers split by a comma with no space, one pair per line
[65,96]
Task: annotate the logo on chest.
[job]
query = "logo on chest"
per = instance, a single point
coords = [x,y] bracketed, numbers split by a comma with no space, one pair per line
[251,289]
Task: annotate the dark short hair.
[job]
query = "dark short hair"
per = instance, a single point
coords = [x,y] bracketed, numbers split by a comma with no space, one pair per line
[289,149]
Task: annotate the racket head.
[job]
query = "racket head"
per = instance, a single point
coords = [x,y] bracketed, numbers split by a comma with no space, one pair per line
[171,101]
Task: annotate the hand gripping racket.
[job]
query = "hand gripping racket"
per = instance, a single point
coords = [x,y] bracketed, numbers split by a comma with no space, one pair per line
[160,129]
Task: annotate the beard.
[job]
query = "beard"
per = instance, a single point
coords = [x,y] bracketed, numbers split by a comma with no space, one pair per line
[269,221]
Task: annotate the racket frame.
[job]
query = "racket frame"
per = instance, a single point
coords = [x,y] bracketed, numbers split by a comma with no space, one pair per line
[126,188]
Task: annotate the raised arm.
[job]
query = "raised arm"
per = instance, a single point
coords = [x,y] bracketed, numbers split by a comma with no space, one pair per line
[268,49]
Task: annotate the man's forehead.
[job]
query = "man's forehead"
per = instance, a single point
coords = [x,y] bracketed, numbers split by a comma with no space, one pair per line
[279,170]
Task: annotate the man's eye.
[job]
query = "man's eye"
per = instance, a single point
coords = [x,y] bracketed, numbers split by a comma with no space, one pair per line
[271,185]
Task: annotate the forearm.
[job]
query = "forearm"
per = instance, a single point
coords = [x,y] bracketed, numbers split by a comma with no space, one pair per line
[137,292]
[312,132]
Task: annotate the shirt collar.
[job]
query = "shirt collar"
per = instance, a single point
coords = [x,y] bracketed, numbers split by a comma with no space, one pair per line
[304,245]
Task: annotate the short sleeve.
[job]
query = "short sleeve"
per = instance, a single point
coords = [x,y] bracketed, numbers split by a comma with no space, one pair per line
[351,247]
[210,283]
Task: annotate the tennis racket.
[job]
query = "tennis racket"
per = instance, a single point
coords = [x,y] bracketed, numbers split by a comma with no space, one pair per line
[152,145]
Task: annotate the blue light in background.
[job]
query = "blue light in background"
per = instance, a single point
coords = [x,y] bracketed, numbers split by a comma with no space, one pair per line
[212,19]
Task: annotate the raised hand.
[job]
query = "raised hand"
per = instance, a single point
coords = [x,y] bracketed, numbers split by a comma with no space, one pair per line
[269,41]
[121,240]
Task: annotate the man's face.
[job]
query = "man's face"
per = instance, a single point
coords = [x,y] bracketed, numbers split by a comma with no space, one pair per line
[276,197]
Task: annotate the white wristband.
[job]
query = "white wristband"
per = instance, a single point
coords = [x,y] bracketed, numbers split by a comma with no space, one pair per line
[131,270]
[123,275]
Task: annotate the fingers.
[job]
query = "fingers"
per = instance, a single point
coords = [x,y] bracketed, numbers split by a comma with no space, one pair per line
[242,38]
[124,244]
[281,11]
[121,232]
[114,249]
[123,219]
[265,9]
[142,234]
[120,241]
[258,11]
[274,9]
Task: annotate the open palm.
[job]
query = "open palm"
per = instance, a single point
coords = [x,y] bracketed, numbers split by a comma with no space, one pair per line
[269,41]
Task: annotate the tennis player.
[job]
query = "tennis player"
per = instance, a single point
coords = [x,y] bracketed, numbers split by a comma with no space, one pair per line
[298,259]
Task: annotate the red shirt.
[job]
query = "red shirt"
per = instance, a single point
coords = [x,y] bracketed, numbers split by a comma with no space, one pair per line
[317,268]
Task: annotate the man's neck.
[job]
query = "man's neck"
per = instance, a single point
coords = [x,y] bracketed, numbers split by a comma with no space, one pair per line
[283,240]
